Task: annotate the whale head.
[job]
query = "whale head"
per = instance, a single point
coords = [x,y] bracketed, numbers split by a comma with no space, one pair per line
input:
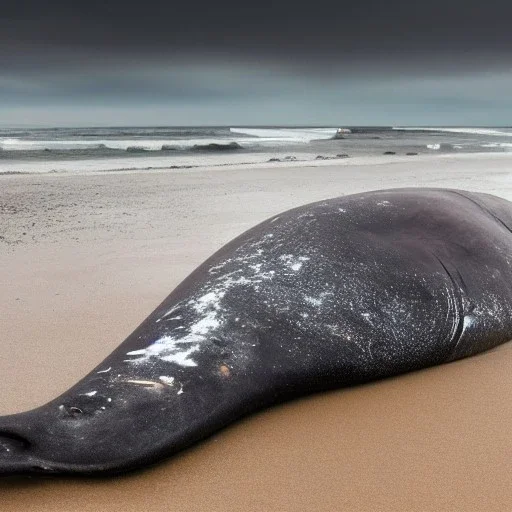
[93,432]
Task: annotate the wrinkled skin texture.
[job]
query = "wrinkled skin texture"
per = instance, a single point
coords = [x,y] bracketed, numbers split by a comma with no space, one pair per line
[331,294]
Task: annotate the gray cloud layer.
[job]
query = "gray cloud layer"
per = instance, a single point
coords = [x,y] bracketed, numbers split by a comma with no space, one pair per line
[334,29]
[372,62]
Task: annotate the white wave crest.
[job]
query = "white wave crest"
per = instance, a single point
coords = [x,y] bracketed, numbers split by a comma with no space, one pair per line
[471,131]
[119,144]
[285,135]
[498,145]
[245,137]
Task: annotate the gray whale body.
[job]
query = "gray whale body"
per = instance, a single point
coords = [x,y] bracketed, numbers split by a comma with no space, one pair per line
[331,294]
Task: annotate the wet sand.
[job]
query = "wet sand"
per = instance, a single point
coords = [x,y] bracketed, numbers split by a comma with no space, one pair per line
[101,251]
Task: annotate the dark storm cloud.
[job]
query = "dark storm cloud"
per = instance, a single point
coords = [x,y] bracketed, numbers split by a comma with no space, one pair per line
[334,31]
[285,62]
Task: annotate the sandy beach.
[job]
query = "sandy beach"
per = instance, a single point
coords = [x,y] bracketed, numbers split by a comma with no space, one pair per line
[85,257]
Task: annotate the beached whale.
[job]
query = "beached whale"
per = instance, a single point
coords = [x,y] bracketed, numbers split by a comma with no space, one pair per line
[330,294]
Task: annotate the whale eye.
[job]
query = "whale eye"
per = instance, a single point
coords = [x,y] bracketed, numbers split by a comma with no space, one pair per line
[85,406]
[71,411]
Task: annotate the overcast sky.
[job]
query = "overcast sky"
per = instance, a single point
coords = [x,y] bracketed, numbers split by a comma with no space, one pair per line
[403,62]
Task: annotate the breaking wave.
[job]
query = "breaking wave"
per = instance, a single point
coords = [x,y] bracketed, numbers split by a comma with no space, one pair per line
[286,135]
[502,132]
[184,140]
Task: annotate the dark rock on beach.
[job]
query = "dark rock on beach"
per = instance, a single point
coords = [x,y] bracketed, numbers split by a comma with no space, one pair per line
[136,149]
[217,147]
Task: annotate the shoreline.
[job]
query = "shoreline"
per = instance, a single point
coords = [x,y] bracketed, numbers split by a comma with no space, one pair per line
[103,166]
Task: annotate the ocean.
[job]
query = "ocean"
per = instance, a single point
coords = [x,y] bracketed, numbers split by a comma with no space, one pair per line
[127,148]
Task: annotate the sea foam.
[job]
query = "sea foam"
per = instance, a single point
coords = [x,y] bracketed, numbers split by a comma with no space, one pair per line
[468,130]
[287,135]
[235,138]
